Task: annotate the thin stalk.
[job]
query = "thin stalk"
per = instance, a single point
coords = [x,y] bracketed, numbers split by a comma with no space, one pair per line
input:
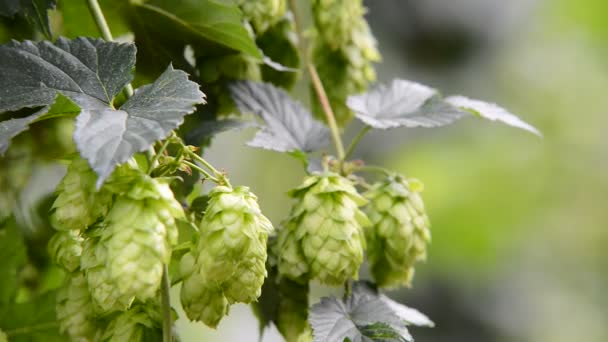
[157,155]
[220,175]
[348,289]
[377,169]
[355,141]
[201,170]
[104,29]
[318,85]
[166,305]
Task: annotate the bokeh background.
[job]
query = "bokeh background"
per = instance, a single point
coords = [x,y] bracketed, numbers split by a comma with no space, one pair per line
[520,224]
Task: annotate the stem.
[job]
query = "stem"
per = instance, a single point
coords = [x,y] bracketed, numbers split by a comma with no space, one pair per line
[355,142]
[166,304]
[104,29]
[201,170]
[220,175]
[347,289]
[156,155]
[318,85]
[377,169]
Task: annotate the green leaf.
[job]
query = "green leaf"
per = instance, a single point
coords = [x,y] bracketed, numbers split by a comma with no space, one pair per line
[13,256]
[279,45]
[491,111]
[77,22]
[35,11]
[197,21]
[107,137]
[31,321]
[402,104]
[288,125]
[208,128]
[355,318]
[91,73]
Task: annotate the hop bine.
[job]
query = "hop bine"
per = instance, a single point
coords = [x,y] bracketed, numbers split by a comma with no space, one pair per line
[323,238]
[227,264]
[400,231]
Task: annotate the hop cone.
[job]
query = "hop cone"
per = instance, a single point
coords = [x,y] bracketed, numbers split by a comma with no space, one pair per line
[65,248]
[400,230]
[140,323]
[323,238]
[78,203]
[262,13]
[139,232]
[343,51]
[104,292]
[228,263]
[74,309]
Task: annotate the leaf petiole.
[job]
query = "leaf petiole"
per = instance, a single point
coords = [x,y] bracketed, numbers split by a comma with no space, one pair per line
[201,170]
[355,141]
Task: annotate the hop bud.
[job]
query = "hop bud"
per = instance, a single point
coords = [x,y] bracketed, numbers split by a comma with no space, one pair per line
[74,309]
[400,230]
[78,203]
[140,231]
[343,51]
[228,263]
[140,323]
[65,248]
[262,13]
[324,231]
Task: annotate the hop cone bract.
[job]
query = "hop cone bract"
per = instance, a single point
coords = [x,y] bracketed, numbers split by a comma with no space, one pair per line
[400,231]
[140,323]
[343,51]
[323,237]
[228,263]
[74,309]
[262,13]
[65,248]
[78,203]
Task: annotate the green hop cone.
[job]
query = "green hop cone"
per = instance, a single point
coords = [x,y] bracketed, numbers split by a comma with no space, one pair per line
[65,248]
[78,203]
[74,309]
[262,13]
[400,231]
[139,323]
[343,51]
[228,263]
[139,232]
[323,238]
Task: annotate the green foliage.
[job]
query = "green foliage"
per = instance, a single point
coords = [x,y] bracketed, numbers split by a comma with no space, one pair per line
[35,11]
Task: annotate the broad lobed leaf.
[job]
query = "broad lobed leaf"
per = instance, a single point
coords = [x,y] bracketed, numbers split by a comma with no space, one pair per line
[288,126]
[408,104]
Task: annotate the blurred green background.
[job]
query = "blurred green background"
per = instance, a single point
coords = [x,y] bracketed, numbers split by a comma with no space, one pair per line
[520,225]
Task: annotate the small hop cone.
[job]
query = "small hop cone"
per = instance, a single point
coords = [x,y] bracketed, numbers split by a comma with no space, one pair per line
[325,230]
[400,231]
[65,248]
[262,13]
[105,294]
[229,259]
[78,203]
[74,309]
[140,323]
[139,234]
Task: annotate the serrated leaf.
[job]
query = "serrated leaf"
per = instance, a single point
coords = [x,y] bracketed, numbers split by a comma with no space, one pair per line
[91,72]
[402,104]
[31,321]
[288,126]
[491,111]
[35,11]
[208,129]
[211,20]
[107,137]
[336,320]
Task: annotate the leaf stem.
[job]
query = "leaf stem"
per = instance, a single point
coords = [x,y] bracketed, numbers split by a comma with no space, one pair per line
[166,306]
[318,85]
[355,141]
[104,29]
[201,170]
[220,175]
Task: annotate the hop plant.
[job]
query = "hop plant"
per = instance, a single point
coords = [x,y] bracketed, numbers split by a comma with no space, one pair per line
[139,233]
[343,51]
[262,13]
[323,237]
[78,203]
[228,263]
[65,248]
[74,309]
[400,231]
[140,323]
